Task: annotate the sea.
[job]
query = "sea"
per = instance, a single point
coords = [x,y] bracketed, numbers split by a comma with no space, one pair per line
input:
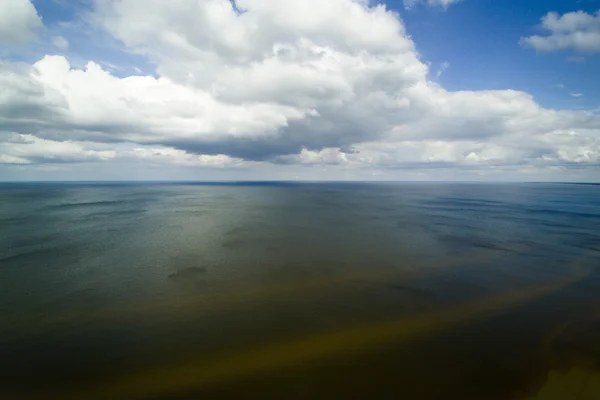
[299,290]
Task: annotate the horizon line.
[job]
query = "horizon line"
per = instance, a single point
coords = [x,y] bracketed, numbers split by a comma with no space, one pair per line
[289,181]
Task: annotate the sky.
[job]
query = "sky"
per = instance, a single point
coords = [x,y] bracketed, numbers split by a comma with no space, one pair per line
[403,90]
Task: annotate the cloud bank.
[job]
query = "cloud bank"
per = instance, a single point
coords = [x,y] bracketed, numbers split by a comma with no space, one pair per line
[273,84]
[19,21]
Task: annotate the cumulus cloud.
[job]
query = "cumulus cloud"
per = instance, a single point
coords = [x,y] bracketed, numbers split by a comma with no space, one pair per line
[264,82]
[578,31]
[554,148]
[141,109]
[18,21]
[26,149]
[165,155]
[332,156]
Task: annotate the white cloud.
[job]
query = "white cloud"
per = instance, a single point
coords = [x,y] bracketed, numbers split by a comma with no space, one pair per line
[443,67]
[146,109]
[29,149]
[8,159]
[18,21]
[60,42]
[578,31]
[24,149]
[408,4]
[334,83]
[320,157]
[166,155]
[576,94]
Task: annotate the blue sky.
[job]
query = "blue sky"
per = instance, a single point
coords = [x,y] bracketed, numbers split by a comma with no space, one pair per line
[68,19]
[473,89]
[480,40]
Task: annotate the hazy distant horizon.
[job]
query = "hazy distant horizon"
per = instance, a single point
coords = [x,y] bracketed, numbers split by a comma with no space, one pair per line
[290,181]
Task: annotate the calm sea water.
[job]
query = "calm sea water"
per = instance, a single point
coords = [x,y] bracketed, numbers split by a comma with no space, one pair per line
[413,291]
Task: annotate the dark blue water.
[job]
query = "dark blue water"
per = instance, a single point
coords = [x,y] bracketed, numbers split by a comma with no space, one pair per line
[283,290]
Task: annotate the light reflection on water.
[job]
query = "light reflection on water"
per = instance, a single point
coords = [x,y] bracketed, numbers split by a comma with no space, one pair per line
[301,291]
